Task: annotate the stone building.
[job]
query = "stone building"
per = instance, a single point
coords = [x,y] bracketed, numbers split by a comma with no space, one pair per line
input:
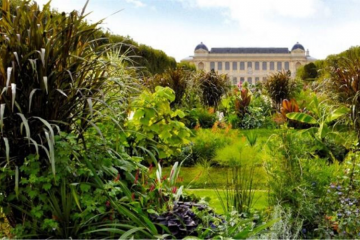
[249,64]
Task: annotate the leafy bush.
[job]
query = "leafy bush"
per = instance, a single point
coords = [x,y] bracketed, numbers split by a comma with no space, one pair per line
[297,180]
[154,126]
[176,79]
[205,144]
[237,102]
[289,107]
[232,225]
[192,95]
[279,87]
[181,221]
[213,87]
[254,118]
[322,130]
[186,66]
[247,111]
[58,179]
[149,61]
[342,202]
[288,226]
[308,72]
[344,81]
[201,117]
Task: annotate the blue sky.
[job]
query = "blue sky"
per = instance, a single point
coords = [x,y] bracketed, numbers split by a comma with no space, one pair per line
[177,26]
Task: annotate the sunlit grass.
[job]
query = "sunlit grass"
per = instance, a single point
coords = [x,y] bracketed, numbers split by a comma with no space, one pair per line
[260,199]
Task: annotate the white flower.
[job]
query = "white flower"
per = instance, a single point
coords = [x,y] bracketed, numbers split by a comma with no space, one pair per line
[131,115]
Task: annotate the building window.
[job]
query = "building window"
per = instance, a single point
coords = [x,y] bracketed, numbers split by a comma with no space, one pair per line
[201,66]
[257,79]
[212,65]
[264,66]
[257,66]
[234,80]
[242,66]
[220,66]
[235,66]
[249,64]
[272,66]
[227,66]
[264,79]
[287,66]
[242,80]
[249,80]
[279,66]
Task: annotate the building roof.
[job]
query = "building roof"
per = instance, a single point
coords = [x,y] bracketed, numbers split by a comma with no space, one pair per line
[250,50]
[201,46]
[298,46]
[309,58]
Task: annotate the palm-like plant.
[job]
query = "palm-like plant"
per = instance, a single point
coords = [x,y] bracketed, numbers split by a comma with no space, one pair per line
[279,87]
[321,129]
[176,79]
[242,102]
[213,87]
[344,81]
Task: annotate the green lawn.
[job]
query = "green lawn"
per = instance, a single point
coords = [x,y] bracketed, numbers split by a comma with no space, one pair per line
[202,179]
[199,177]
[203,176]
[260,199]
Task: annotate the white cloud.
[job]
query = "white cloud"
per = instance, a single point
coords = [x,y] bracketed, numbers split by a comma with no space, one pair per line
[137,3]
[263,14]
[277,23]
[325,27]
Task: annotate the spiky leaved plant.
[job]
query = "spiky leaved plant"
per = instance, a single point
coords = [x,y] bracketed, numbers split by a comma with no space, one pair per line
[242,102]
[213,86]
[344,82]
[279,87]
[54,77]
[176,79]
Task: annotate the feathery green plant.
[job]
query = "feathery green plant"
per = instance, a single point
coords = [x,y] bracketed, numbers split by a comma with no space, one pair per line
[57,77]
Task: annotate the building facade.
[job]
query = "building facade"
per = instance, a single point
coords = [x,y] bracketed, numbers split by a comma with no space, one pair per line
[249,64]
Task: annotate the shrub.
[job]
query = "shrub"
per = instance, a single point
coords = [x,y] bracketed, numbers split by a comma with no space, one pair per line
[290,107]
[192,95]
[297,181]
[288,226]
[148,62]
[254,118]
[279,87]
[205,144]
[154,126]
[205,118]
[342,202]
[58,84]
[184,65]
[308,72]
[321,128]
[176,79]
[213,87]
[344,82]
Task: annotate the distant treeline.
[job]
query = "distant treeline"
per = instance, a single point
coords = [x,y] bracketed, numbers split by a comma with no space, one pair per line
[319,69]
[149,61]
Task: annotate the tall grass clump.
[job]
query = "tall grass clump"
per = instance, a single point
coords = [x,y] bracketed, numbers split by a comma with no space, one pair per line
[280,86]
[298,178]
[213,86]
[57,81]
[243,163]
